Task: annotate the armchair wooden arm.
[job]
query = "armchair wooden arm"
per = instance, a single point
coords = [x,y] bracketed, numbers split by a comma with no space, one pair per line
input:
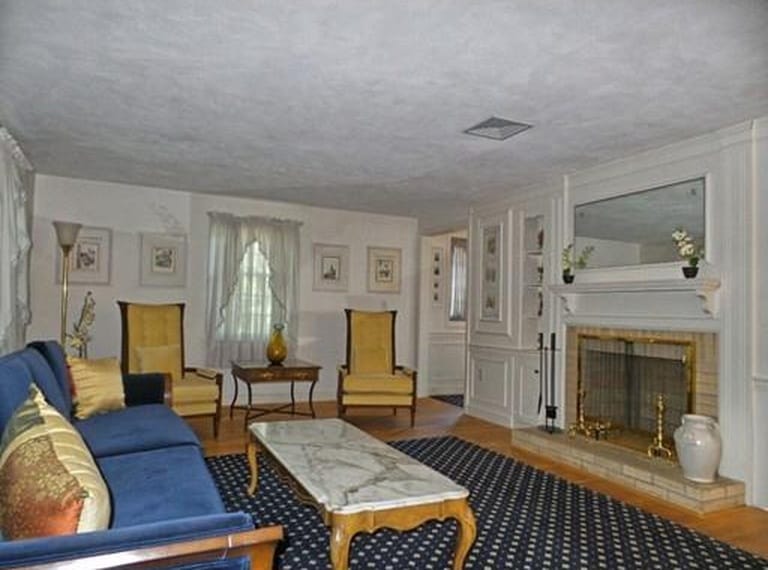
[258,544]
[167,389]
[218,378]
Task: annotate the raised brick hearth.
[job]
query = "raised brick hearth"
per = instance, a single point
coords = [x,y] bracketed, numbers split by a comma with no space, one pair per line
[657,477]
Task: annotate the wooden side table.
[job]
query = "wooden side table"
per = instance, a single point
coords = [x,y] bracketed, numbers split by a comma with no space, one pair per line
[291,370]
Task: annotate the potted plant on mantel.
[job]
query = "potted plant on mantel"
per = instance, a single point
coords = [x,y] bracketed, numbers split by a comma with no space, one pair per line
[569,264]
[687,250]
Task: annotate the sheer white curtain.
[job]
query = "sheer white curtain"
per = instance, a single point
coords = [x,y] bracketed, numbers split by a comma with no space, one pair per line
[253,272]
[458,307]
[16,181]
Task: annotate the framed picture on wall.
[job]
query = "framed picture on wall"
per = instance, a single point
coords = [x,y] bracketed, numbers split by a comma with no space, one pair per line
[331,267]
[163,260]
[89,258]
[384,269]
[491,278]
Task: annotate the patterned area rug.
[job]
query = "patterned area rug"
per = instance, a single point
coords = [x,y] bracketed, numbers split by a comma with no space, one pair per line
[455,399]
[526,519]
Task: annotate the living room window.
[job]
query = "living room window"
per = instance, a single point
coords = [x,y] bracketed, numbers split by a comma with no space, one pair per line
[254,300]
[253,267]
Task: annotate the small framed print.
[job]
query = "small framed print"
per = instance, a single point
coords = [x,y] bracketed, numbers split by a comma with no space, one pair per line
[491,284]
[89,258]
[163,260]
[384,269]
[437,276]
[331,267]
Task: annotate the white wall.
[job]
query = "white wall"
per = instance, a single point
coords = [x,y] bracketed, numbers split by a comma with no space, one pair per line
[760,305]
[129,210]
[442,361]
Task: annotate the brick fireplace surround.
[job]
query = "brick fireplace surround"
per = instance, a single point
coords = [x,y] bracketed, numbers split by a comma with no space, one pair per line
[658,477]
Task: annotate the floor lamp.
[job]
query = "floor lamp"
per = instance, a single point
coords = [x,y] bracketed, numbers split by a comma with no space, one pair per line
[66,234]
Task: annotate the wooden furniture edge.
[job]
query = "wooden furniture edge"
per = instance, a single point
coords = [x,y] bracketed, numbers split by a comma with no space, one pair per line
[344,526]
[258,544]
[216,416]
[167,389]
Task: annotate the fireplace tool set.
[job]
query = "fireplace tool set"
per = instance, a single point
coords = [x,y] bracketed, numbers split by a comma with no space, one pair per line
[547,383]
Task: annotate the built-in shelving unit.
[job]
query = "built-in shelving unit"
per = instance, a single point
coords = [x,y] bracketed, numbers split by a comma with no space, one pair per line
[532,309]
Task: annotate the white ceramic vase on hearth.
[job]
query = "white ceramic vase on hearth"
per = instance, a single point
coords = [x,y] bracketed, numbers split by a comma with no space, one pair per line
[699,447]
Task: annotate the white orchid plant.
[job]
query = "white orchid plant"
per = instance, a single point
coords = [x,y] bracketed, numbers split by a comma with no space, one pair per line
[686,247]
[81,334]
[569,263]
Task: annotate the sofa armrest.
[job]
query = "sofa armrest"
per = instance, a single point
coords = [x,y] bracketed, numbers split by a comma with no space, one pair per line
[147,388]
[258,546]
[127,545]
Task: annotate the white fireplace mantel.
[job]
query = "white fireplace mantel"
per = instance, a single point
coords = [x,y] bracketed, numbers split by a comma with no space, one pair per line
[706,290]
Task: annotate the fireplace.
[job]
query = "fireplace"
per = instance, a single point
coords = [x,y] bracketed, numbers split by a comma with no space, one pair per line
[632,367]
[622,381]
[620,374]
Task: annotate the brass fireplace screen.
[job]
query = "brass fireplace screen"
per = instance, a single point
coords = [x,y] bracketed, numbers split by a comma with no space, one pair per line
[623,381]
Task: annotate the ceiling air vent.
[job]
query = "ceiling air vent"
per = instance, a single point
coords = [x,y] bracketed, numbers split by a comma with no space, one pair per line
[497,128]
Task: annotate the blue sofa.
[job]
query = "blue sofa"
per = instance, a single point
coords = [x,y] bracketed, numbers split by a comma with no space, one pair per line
[162,492]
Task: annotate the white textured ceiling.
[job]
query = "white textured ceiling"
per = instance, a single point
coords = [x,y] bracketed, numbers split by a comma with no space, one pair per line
[360,104]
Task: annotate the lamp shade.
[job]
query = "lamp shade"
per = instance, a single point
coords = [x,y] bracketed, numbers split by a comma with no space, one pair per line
[66,233]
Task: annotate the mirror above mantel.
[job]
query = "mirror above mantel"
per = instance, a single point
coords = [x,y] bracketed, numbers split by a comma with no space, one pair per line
[636,228]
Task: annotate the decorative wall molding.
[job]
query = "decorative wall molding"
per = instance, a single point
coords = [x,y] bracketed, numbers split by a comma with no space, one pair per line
[694,148]
[451,338]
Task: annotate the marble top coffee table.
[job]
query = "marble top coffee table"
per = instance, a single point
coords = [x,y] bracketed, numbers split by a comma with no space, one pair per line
[358,483]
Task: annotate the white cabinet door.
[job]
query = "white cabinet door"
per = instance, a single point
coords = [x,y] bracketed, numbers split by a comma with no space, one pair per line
[527,387]
[490,385]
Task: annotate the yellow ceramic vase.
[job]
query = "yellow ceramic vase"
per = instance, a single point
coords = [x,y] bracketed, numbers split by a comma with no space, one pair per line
[277,350]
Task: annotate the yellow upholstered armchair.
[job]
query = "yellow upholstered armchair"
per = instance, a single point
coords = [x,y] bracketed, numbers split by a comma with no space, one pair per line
[153,341]
[370,377]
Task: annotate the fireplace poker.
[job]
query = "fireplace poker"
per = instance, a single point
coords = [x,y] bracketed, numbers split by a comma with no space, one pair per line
[540,371]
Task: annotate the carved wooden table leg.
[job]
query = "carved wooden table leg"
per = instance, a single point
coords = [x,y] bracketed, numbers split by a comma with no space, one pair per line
[466,535]
[252,451]
[342,531]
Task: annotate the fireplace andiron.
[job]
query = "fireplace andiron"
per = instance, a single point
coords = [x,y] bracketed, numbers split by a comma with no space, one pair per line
[657,448]
[595,429]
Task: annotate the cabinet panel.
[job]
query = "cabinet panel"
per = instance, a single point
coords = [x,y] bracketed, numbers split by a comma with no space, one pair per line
[527,388]
[490,385]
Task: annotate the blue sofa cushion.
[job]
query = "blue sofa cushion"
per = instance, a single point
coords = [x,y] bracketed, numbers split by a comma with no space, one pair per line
[46,380]
[57,360]
[15,379]
[158,485]
[53,548]
[138,428]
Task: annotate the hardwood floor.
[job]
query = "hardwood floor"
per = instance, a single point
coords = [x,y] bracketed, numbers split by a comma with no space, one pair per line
[744,527]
